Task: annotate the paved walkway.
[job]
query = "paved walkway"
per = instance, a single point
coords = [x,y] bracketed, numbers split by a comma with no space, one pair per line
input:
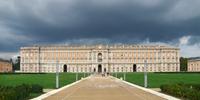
[102,88]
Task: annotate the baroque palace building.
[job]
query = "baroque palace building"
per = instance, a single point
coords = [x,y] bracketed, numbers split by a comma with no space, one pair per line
[194,64]
[100,58]
[5,66]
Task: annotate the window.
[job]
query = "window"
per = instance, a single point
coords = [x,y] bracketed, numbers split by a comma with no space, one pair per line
[100,57]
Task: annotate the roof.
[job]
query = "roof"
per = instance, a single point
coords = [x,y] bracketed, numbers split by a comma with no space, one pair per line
[194,59]
[108,46]
[3,60]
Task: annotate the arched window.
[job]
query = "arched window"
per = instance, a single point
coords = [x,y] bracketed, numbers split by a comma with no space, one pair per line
[99,57]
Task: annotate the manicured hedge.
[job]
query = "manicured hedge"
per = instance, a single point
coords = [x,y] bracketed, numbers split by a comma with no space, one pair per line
[36,88]
[185,91]
[20,92]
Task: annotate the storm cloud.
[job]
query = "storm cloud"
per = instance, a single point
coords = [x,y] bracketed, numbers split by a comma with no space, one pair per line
[28,22]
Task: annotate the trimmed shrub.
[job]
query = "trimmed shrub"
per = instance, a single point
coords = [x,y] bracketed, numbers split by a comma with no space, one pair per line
[23,91]
[196,86]
[7,93]
[186,91]
[36,88]
[20,92]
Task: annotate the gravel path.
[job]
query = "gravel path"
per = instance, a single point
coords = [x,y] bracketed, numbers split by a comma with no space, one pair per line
[102,88]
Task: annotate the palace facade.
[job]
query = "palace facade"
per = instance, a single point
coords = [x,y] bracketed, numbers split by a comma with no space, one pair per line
[5,66]
[194,64]
[99,58]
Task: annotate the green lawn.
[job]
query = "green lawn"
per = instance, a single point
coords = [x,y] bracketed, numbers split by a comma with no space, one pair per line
[48,80]
[45,80]
[157,79]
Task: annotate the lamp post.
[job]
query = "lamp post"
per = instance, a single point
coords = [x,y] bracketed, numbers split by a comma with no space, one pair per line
[116,74]
[84,73]
[76,73]
[124,72]
[145,74]
[57,74]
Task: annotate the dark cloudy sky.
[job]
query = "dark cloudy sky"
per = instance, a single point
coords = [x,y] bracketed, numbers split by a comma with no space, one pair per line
[28,22]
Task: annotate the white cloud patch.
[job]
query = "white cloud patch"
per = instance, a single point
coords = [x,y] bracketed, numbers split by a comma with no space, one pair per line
[190,50]
[184,40]
[8,55]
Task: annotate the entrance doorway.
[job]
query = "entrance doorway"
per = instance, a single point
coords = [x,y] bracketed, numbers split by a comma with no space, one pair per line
[99,68]
[65,68]
[134,68]
[104,70]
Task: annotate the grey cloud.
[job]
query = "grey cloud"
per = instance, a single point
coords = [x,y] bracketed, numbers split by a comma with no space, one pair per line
[113,21]
[194,40]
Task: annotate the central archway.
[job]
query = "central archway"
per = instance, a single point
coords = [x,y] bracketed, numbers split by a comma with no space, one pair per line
[99,68]
[134,67]
[65,68]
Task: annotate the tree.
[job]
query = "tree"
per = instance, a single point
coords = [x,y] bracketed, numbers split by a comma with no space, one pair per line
[183,64]
[16,65]
[11,61]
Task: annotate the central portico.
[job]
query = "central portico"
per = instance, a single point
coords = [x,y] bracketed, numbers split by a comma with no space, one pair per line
[101,59]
